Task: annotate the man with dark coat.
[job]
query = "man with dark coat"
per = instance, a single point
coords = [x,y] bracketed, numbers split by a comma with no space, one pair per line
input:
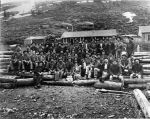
[99,68]
[112,48]
[137,70]
[115,72]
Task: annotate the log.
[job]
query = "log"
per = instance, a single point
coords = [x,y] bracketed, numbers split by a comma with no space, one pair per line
[85,82]
[48,77]
[146,66]
[139,86]
[144,60]
[25,82]
[136,81]
[57,83]
[5,56]
[5,59]
[141,54]
[142,57]
[146,72]
[143,102]
[6,79]
[6,52]
[114,91]
[7,85]
[26,75]
[108,85]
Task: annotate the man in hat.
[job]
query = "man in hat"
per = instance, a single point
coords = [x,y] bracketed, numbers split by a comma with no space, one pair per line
[125,64]
[137,70]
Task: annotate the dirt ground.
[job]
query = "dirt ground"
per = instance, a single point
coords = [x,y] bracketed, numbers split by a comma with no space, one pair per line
[65,102]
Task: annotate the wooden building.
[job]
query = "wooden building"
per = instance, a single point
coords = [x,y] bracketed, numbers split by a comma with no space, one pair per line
[80,36]
[144,33]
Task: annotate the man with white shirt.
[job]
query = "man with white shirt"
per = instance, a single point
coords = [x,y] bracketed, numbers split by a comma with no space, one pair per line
[106,73]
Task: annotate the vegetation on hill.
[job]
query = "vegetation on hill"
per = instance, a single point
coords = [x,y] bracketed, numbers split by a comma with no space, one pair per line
[103,15]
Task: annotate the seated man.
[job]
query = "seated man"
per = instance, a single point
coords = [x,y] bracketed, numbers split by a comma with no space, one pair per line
[99,68]
[27,64]
[137,70]
[37,75]
[115,72]
[14,63]
[60,67]
[106,74]
[83,68]
[77,71]
[125,64]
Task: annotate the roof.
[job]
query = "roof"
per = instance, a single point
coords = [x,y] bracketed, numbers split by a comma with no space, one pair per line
[144,29]
[35,37]
[92,33]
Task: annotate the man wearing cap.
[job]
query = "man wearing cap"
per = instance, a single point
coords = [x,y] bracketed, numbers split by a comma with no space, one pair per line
[137,70]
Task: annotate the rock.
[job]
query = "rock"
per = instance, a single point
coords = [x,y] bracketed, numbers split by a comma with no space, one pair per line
[111,116]
[8,110]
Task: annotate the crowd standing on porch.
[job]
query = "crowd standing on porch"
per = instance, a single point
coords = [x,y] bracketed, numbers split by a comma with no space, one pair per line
[103,58]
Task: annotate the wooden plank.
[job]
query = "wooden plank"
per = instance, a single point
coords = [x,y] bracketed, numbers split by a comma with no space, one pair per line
[143,102]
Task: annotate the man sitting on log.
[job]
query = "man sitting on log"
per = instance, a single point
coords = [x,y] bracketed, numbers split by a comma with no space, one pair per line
[37,75]
[115,72]
[137,70]
[99,69]
[26,61]
[106,73]
[125,64]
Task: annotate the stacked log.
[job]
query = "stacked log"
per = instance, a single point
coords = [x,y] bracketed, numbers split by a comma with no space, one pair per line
[25,82]
[58,83]
[85,82]
[108,85]
[8,82]
[137,83]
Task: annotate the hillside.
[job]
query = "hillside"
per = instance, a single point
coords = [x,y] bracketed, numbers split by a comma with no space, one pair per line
[103,15]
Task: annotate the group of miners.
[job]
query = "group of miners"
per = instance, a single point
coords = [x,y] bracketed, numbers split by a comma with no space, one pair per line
[103,59]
